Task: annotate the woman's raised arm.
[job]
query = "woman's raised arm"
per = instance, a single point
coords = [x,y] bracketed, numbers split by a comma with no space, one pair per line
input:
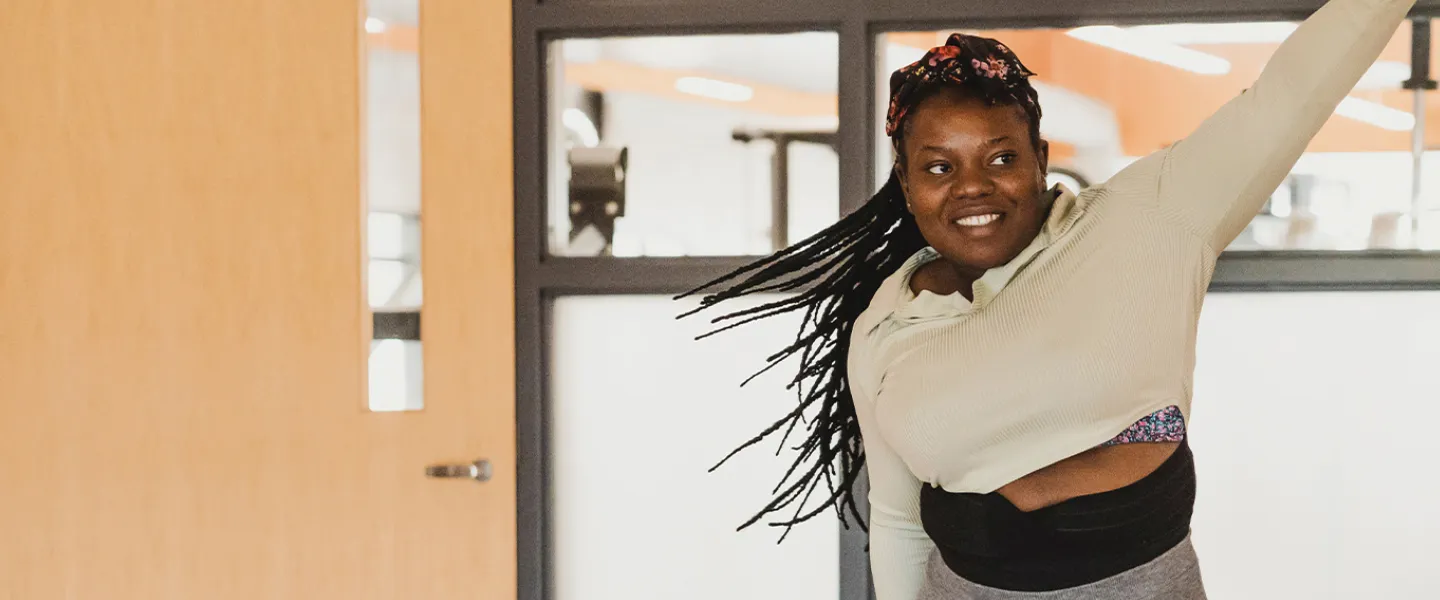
[1216,179]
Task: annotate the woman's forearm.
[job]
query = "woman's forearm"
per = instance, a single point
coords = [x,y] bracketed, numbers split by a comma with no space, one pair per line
[898,555]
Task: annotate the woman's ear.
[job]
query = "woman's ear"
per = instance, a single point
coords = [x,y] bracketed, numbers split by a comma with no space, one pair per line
[904,184]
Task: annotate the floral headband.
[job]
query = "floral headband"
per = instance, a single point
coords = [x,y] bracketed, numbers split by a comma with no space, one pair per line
[974,62]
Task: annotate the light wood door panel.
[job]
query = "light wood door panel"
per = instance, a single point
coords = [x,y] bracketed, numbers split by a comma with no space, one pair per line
[183,334]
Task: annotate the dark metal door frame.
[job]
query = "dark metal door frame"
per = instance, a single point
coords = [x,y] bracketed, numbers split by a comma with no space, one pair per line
[540,278]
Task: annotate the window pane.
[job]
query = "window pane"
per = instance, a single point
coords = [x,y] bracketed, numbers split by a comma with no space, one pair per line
[1346,530]
[666,146]
[394,245]
[385,235]
[392,106]
[396,377]
[391,70]
[392,146]
[638,414]
[1105,108]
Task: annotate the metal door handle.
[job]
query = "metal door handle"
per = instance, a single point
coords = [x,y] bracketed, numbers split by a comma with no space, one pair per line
[479,470]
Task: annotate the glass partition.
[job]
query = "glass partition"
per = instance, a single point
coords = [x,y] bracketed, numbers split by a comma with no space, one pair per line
[391,72]
[1114,94]
[639,412]
[691,146]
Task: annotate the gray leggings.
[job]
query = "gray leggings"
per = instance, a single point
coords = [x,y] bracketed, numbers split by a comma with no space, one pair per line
[1175,575]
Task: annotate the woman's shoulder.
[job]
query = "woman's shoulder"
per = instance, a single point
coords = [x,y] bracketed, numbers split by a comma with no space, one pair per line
[1132,191]
[893,292]
[1138,180]
[1132,197]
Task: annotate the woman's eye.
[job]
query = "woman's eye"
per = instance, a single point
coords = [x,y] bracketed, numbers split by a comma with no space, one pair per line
[1003,159]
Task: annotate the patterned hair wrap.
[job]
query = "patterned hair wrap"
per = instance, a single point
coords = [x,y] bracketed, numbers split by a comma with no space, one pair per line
[980,64]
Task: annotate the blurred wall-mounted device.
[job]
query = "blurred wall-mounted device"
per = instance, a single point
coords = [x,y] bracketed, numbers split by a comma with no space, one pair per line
[597,197]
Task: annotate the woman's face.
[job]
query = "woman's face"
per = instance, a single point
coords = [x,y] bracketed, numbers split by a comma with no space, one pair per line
[973,179]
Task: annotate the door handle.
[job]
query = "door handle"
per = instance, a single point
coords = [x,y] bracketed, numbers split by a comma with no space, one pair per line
[479,470]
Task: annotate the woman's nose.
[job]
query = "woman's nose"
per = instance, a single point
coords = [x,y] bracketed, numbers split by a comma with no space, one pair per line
[973,183]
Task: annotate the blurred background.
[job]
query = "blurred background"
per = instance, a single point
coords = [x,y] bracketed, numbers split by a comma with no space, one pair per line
[343,299]
[679,105]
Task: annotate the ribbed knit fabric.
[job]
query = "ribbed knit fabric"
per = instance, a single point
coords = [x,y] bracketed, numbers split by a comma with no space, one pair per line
[1097,328]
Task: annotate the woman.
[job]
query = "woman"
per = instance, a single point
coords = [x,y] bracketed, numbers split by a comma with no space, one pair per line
[1019,360]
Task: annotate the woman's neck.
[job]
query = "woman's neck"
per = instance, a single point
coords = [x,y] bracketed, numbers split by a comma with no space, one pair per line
[944,277]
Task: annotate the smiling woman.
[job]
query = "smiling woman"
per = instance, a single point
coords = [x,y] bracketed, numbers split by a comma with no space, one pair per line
[1013,366]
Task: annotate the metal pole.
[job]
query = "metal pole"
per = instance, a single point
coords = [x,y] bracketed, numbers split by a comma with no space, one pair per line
[1417,152]
[1420,83]
[780,197]
[780,174]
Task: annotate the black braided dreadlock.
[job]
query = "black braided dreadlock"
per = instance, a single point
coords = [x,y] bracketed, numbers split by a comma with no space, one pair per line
[846,264]
[837,271]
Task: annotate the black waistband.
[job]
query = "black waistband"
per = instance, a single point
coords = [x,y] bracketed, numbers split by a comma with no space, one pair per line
[987,540]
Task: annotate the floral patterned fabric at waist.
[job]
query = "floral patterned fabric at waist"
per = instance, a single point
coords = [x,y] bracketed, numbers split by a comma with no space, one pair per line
[1164,425]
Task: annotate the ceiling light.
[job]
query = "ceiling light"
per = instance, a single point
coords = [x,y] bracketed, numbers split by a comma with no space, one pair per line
[577,121]
[1217,33]
[1385,75]
[1144,47]
[374,25]
[1376,114]
[713,88]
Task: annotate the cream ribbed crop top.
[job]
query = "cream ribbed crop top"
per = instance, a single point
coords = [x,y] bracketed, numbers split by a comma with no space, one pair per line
[1093,327]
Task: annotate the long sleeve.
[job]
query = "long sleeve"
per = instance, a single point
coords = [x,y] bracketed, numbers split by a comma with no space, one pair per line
[899,547]
[1217,178]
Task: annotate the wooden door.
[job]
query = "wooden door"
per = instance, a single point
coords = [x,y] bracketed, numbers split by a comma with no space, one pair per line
[183,333]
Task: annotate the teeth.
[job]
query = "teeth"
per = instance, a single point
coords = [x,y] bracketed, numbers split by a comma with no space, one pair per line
[977,220]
